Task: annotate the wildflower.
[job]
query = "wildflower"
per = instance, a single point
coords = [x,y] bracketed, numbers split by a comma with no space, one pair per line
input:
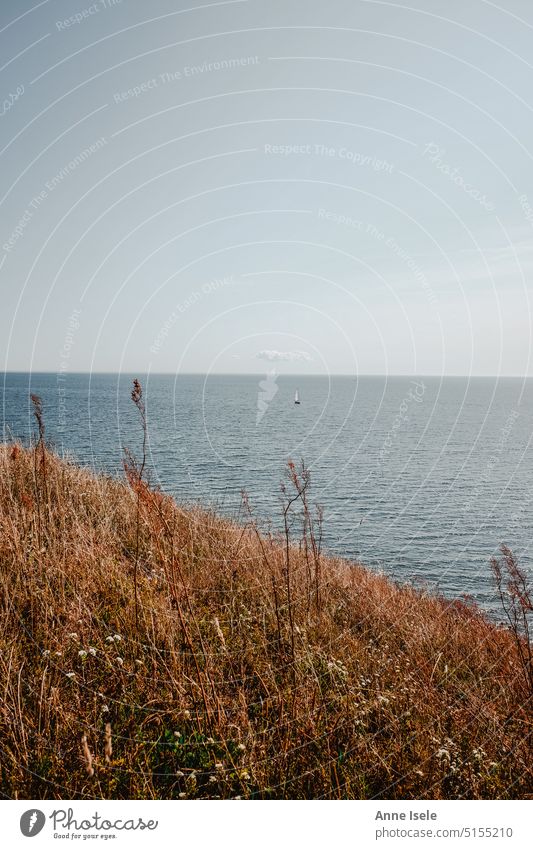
[73,636]
[210,740]
[219,766]
[46,653]
[58,653]
[186,714]
[117,638]
[110,639]
[71,675]
[105,709]
[119,661]
[139,662]
[92,651]
[245,775]
[212,779]
[182,795]
[241,747]
[179,774]
[82,653]
[443,754]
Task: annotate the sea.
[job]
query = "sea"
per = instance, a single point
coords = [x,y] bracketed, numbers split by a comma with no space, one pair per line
[422,478]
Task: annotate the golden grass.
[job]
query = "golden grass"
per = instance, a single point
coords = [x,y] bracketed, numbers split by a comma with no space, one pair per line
[250,668]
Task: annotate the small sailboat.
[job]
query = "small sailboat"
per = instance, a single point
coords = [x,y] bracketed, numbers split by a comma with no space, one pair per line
[296,397]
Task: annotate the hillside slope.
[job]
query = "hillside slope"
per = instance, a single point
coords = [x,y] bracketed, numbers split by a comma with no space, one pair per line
[246,668]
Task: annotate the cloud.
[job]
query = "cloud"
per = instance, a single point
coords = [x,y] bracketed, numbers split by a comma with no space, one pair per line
[284,356]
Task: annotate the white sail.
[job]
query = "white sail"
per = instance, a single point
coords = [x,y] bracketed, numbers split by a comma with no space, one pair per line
[296,397]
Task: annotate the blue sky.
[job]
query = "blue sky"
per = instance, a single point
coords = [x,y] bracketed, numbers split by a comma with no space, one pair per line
[240,186]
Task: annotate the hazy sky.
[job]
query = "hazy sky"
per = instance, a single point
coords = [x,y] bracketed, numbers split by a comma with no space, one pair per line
[239,186]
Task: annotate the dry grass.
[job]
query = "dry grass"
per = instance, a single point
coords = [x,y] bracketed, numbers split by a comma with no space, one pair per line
[248,667]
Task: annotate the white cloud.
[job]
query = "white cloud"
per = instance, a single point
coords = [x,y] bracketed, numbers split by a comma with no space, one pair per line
[287,356]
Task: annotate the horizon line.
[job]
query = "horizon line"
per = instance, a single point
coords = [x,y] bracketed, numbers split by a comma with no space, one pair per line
[65,375]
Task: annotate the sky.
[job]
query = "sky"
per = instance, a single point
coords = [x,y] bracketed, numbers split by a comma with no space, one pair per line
[340,188]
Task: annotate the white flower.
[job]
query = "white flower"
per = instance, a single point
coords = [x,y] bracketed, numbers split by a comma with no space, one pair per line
[186,714]
[245,775]
[179,774]
[82,654]
[110,639]
[212,779]
[71,675]
[443,754]
[219,766]
[92,651]
[182,795]
[119,661]
[140,662]
[105,709]
[117,638]
[58,653]
[46,653]
[210,740]
[241,747]
[73,636]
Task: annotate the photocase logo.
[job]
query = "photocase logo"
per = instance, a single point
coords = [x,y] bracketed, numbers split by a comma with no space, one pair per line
[32,822]
[267,390]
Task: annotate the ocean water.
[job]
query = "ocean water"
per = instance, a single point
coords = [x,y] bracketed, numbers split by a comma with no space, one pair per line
[422,478]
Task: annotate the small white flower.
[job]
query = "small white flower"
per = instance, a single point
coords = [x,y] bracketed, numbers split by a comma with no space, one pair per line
[212,779]
[182,795]
[119,661]
[58,653]
[73,636]
[219,766]
[139,662]
[46,653]
[245,775]
[92,651]
[179,774]
[237,797]
[82,653]
[110,639]
[210,740]
[241,747]
[117,638]
[186,714]
[71,675]
[105,709]
[443,754]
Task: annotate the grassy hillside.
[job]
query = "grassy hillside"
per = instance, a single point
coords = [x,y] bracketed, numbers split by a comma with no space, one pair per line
[152,652]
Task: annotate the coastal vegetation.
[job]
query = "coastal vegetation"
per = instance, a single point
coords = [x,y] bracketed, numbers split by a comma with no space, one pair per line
[152,651]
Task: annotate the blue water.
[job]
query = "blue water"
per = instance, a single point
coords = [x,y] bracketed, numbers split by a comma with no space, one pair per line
[422,479]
